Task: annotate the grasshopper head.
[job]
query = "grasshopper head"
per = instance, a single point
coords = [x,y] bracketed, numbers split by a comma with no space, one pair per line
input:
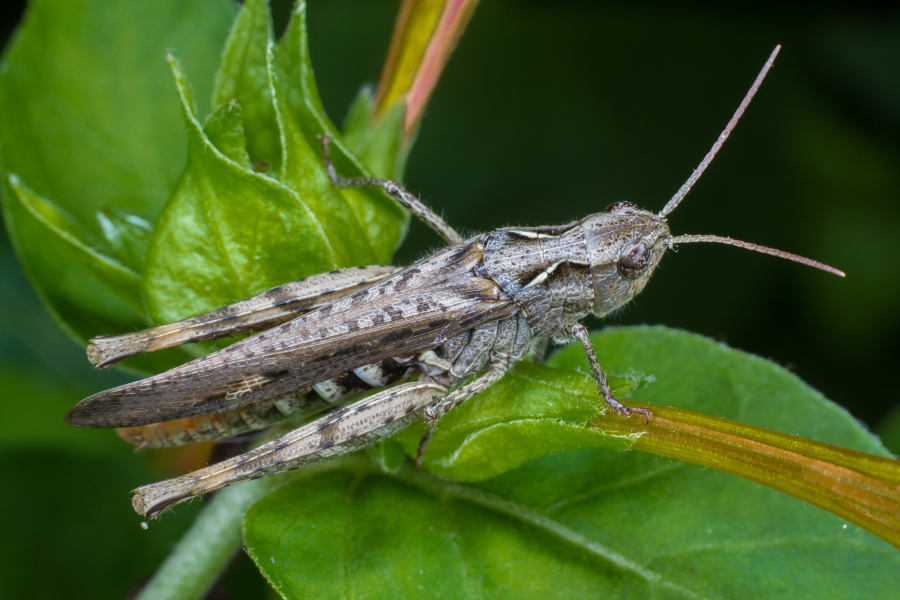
[625,244]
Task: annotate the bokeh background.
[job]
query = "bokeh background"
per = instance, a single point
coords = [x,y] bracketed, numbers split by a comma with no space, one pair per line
[549,111]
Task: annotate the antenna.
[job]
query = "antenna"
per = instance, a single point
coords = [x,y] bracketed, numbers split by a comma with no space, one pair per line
[682,192]
[692,239]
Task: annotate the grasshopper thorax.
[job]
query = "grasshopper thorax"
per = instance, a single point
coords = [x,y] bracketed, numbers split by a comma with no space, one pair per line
[624,246]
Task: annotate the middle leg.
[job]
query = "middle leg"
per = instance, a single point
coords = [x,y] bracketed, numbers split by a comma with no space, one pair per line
[439,408]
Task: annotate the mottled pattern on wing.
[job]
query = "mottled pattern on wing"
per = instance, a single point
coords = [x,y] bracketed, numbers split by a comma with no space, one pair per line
[418,308]
[273,307]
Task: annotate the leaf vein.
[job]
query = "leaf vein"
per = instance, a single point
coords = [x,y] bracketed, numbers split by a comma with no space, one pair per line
[775,542]
[549,525]
[642,477]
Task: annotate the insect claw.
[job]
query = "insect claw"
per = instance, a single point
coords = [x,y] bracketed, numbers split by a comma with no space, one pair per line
[648,414]
[625,411]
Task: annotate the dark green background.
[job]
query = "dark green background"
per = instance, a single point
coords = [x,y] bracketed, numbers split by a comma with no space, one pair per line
[549,111]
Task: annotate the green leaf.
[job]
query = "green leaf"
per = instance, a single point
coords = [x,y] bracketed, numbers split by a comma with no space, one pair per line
[698,374]
[225,130]
[90,291]
[586,522]
[89,122]
[38,218]
[379,143]
[227,233]
[283,119]
[127,236]
[302,171]
[483,439]
[383,220]
[243,78]
[95,122]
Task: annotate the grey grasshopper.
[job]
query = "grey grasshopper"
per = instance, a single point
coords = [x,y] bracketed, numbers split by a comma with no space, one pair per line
[457,320]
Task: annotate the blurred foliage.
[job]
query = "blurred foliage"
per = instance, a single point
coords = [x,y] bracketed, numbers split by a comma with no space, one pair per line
[549,111]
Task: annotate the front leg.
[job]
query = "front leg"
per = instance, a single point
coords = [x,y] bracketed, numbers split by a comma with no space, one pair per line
[580,333]
[396,191]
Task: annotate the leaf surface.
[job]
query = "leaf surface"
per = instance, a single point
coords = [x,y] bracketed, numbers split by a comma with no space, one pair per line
[91,122]
[227,233]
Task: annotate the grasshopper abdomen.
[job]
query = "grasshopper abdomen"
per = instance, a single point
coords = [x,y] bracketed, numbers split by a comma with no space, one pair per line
[298,403]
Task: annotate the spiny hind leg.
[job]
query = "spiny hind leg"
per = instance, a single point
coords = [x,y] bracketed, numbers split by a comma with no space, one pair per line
[351,428]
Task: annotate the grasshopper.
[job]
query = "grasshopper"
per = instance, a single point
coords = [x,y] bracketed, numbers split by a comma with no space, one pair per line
[458,320]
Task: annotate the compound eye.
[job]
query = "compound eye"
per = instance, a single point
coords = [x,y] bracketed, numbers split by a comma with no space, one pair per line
[622,208]
[634,260]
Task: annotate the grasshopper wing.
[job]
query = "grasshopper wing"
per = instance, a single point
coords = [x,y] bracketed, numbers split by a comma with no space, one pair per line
[418,308]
